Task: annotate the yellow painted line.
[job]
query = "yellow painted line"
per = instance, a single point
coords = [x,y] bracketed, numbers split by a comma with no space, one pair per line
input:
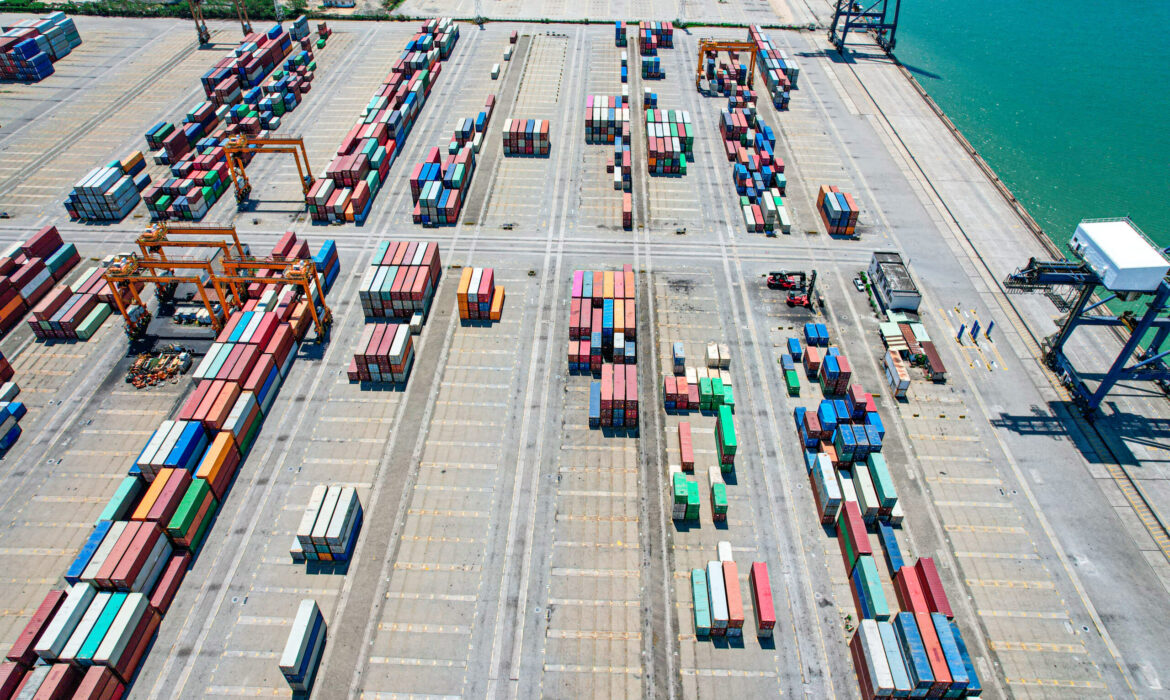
[402,661]
[996,555]
[974,504]
[414,566]
[69,499]
[1003,583]
[448,513]
[580,602]
[577,668]
[596,573]
[1039,646]
[246,691]
[1055,682]
[419,627]
[1038,615]
[598,635]
[964,480]
[598,518]
[454,540]
[991,529]
[727,673]
[949,438]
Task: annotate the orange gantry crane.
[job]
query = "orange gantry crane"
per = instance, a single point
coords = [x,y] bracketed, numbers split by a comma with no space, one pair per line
[128,269]
[717,45]
[201,30]
[162,235]
[296,272]
[240,148]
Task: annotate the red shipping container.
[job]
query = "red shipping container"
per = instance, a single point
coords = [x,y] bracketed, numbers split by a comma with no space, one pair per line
[136,555]
[909,590]
[22,650]
[106,572]
[128,664]
[934,654]
[168,583]
[932,588]
[734,598]
[686,447]
[631,387]
[59,684]
[850,520]
[762,599]
[190,407]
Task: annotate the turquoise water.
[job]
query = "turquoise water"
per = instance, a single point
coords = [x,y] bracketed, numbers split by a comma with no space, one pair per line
[1069,102]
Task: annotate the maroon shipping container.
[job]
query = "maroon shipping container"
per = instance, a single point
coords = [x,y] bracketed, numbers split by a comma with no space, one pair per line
[98,683]
[22,650]
[168,583]
[851,521]
[128,664]
[43,243]
[52,303]
[59,684]
[932,588]
[909,590]
[11,676]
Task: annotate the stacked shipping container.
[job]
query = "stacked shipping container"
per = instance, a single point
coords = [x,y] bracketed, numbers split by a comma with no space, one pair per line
[603,330]
[385,353]
[718,602]
[526,137]
[838,211]
[247,94]
[607,120]
[439,186]
[655,35]
[401,279]
[478,296]
[670,141]
[29,48]
[29,270]
[302,651]
[125,576]
[363,161]
[109,193]
[758,174]
[779,71]
[330,526]
[916,652]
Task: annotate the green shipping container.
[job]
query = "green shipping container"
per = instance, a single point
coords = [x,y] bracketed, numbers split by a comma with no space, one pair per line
[725,431]
[102,626]
[203,527]
[882,483]
[716,392]
[93,321]
[847,544]
[728,397]
[873,587]
[680,489]
[792,381]
[124,500]
[184,517]
[705,393]
[692,499]
[702,603]
[719,498]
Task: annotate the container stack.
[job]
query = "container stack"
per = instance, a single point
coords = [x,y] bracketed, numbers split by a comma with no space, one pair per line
[385,353]
[838,211]
[330,526]
[670,141]
[479,297]
[29,48]
[109,193]
[358,172]
[29,270]
[602,334]
[247,93]
[10,414]
[652,68]
[619,34]
[685,493]
[93,635]
[401,280]
[780,72]
[327,264]
[439,186]
[758,174]
[65,314]
[302,651]
[607,119]
[655,35]
[698,388]
[718,495]
[526,137]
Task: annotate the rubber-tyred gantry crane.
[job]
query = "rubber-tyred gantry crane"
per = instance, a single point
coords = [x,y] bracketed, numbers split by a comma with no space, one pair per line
[240,148]
[297,272]
[201,30]
[717,45]
[162,235]
[128,269]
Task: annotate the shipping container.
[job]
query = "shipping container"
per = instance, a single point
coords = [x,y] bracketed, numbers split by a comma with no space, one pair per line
[762,599]
[302,650]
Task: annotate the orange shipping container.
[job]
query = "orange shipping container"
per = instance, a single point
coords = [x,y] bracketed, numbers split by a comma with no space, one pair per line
[607,285]
[734,599]
[219,463]
[217,413]
[497,304]
[151,496]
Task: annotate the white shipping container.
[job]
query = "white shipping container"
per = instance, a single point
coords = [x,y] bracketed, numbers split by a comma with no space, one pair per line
[717,596]
[113,645]
[305,529]
[880,678]
[325,514]
[61,627]
[84,627]
[867,499]
[297,645]
[103,550]
[845,483]
[724,547]
[343,516]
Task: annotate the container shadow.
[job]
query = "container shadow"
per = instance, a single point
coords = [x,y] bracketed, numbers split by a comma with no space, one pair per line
[687,525]
[327,568]
[391,387]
